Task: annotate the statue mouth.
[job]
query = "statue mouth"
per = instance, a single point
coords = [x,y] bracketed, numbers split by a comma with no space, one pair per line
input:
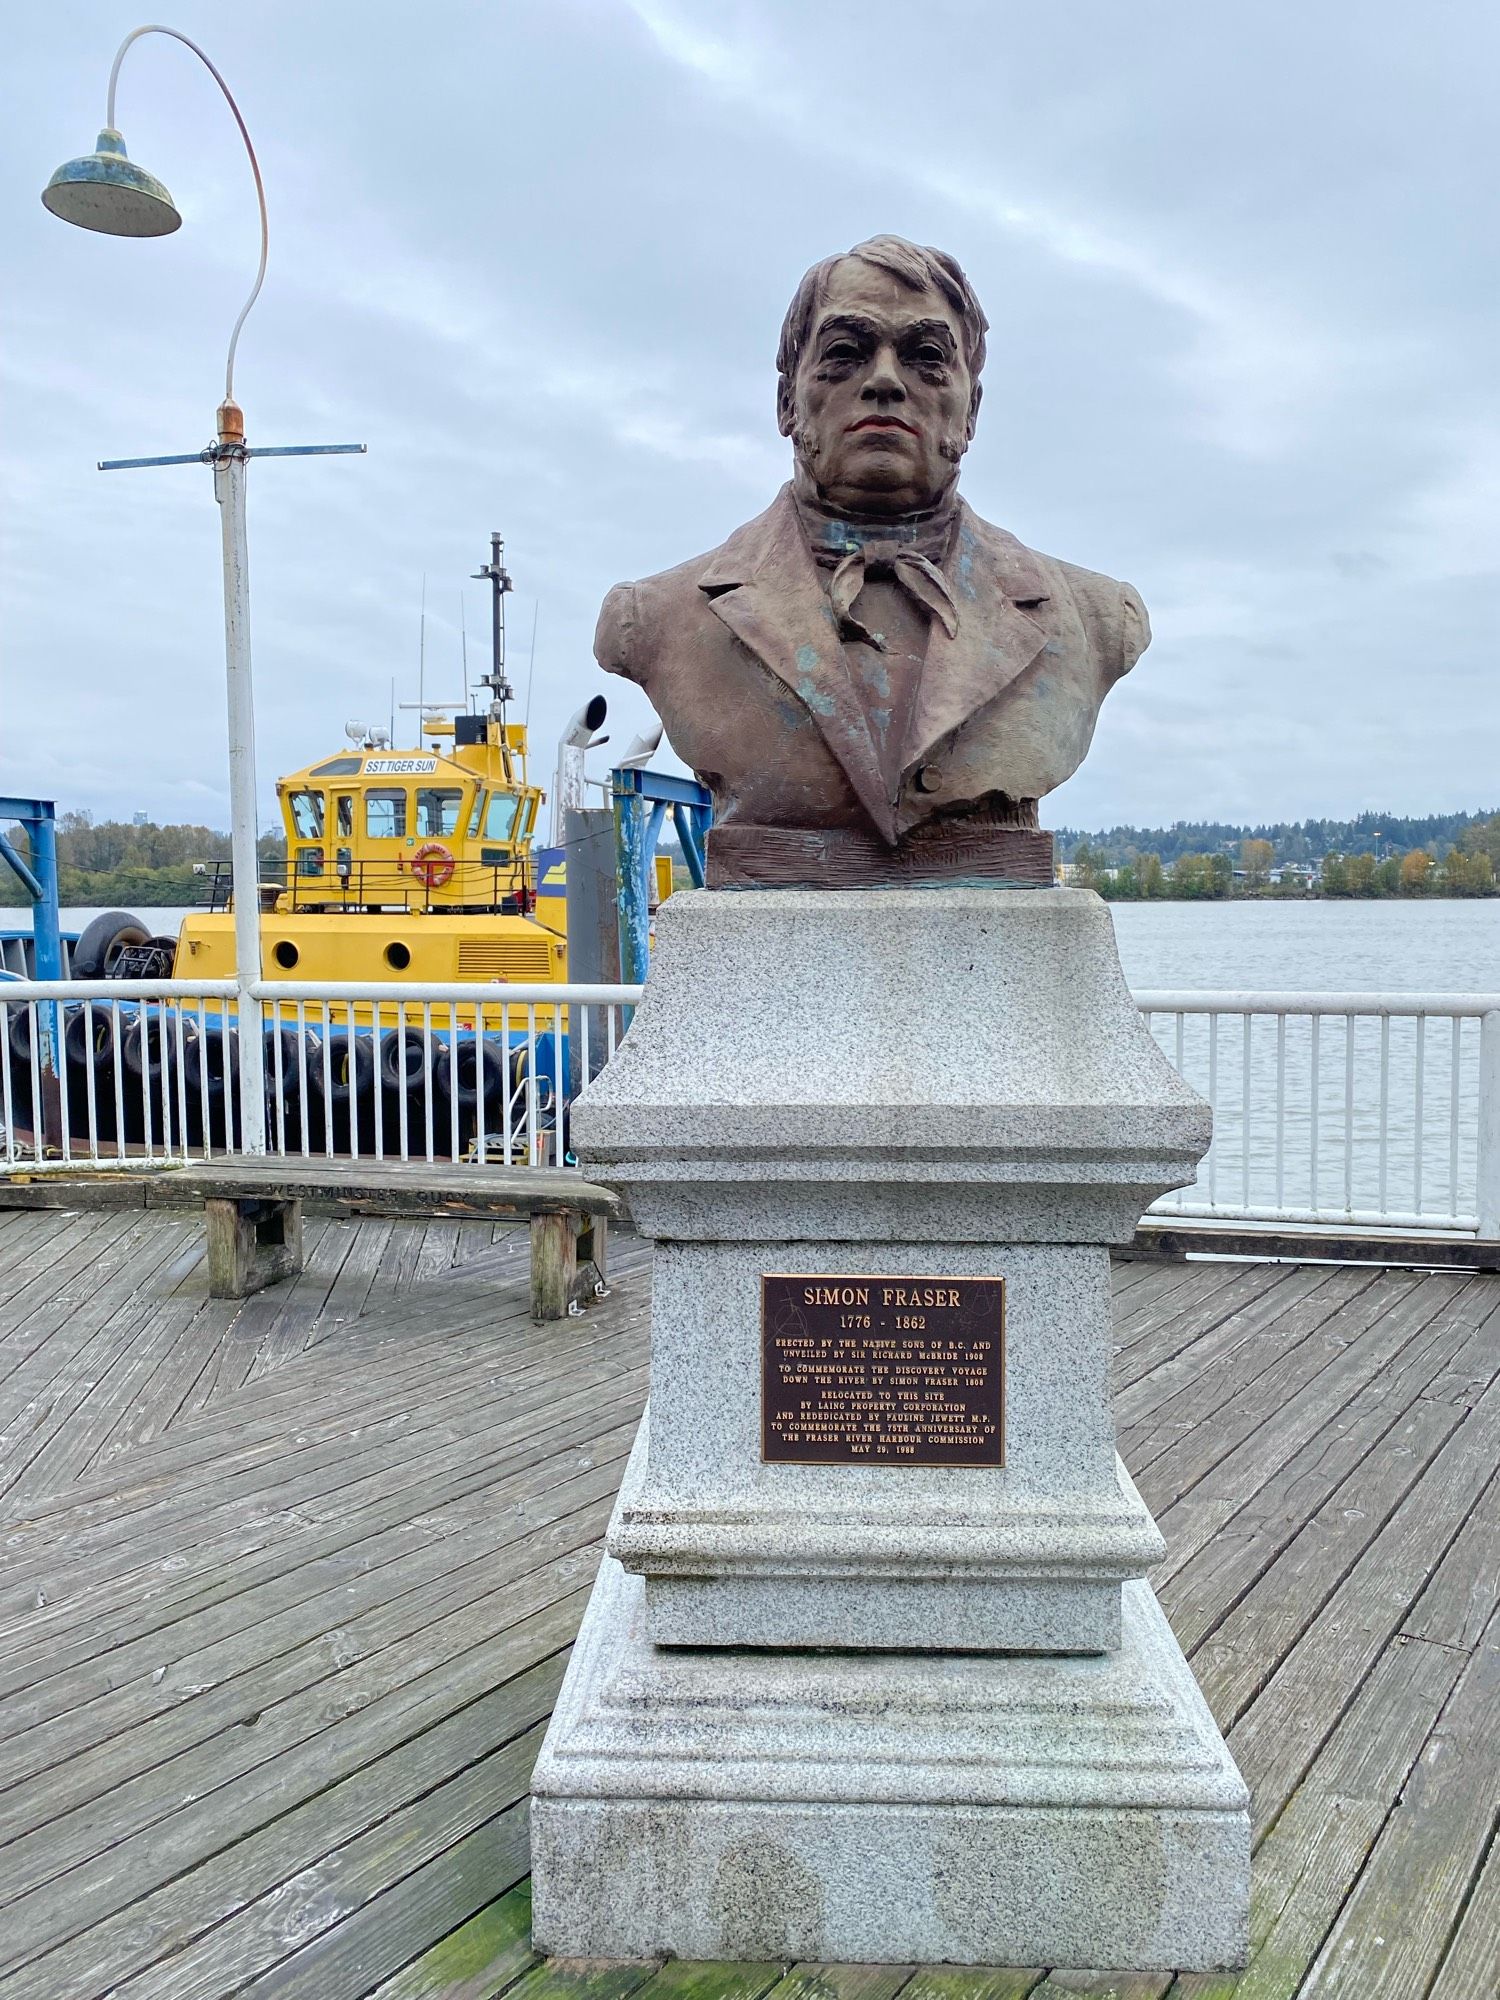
[882,424]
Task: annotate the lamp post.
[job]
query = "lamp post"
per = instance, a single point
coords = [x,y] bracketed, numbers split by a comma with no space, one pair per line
[105,190]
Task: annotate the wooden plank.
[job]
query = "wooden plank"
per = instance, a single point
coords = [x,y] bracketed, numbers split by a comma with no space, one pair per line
[1393,1932]
[1471,1970]
[1307,1691]
[1275,1479]
[57,1285]
[1242,1332]
[554,1265]
[1299,1365]
[1470,1370]
[1266,1624]
[389,1187]
[969,1982]
[277,1483]
[1248,1289]
[117,1396]
[75,1350]
[356,1390]
[428,1474]
[425,1340]
[1229,1394]
[1178,1314]
[58,1638]
[192,1333]
[1460,1601]
[213,1875]
[1418,1250]
[1104,1985]
[29,1244]
[352,1919]
[578,1979]
[68,1871]
[119,1690]
[842,1982]
[351,1289]
[245,1883]
[1306,1865]
[251,1244]
[682,1979]
[480,1959]
[76,1192]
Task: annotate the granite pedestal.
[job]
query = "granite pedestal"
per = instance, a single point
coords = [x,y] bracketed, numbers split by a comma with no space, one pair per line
[931,1712]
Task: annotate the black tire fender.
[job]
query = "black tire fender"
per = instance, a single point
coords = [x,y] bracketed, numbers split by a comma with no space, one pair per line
[100,942]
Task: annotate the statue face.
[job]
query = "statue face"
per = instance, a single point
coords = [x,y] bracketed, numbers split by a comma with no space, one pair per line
[882,406]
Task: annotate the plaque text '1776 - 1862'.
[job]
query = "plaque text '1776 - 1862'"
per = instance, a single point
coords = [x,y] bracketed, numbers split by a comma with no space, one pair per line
[882,1371]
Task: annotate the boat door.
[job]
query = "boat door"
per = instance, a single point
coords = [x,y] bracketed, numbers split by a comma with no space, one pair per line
[341,825]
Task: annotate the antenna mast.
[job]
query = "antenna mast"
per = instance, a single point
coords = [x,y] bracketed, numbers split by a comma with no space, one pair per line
[498,577]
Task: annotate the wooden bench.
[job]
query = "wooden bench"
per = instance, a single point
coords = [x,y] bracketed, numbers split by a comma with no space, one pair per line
[253,1210]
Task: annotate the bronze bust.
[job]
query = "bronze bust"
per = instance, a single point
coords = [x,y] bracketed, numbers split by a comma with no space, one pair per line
[876,685]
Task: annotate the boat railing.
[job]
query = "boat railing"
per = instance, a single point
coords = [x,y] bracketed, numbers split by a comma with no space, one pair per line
[1350,1111]
[410,884]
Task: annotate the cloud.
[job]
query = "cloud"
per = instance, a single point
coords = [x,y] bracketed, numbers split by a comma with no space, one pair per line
[536,258]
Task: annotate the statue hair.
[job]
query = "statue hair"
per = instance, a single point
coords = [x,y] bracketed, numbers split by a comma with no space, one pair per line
[916,266]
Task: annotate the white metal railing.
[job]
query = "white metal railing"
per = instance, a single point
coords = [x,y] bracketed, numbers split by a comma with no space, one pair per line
[1359,1110]
[1354,1110]
[149,1072]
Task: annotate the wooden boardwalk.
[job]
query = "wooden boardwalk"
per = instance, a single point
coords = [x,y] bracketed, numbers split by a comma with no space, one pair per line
[288,1587]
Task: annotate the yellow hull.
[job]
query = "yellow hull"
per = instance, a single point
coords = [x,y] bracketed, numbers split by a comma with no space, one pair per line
[396,947]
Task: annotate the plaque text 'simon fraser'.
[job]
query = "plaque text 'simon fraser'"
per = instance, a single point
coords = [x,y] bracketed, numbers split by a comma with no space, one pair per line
[882,1371]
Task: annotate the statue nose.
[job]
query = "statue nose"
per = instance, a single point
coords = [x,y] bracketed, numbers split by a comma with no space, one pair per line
[884,383]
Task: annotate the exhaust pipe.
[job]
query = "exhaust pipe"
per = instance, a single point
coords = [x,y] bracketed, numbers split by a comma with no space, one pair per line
[575,741]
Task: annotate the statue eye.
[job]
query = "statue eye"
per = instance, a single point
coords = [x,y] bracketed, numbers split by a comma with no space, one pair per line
[841,350]
[930,354]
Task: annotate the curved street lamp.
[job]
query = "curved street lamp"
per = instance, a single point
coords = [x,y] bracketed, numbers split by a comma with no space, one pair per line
[105,190]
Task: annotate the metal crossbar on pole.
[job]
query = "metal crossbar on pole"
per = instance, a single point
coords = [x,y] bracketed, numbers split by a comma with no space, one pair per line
[229,456]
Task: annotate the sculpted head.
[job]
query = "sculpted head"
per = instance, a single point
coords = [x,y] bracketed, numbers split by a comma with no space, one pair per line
[879,364]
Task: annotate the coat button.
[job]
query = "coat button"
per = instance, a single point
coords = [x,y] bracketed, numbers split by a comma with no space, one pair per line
[929,778]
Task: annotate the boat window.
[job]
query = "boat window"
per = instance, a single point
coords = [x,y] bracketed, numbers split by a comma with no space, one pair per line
[385,814]
[500,824]
[437,813]
[474,817]
[307,815]
[346,815]
[338,767]
[309,860]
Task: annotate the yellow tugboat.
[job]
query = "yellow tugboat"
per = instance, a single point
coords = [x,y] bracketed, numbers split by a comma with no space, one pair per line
[404,866]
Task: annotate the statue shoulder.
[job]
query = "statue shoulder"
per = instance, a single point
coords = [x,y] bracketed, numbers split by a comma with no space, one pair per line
[1112,612]
[634,616]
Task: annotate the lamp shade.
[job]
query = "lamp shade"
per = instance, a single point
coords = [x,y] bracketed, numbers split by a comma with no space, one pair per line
[107,191]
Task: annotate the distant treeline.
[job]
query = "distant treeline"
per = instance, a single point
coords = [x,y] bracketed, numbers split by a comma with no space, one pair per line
[1466,865]
[140,865]
[1304,841]
[135,864]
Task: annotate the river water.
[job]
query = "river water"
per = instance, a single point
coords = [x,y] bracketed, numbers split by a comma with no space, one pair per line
[1435,946]
[1430,946]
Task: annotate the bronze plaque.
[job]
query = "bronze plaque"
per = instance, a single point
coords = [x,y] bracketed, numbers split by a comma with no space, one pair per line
[882,1371]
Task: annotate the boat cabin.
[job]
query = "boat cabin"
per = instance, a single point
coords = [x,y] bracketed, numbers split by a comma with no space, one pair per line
[429,829]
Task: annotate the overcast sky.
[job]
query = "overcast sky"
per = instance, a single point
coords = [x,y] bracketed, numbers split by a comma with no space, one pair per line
[1240,264]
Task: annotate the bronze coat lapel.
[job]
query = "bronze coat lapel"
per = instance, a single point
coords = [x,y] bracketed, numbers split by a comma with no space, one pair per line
[992,577]
[766,588]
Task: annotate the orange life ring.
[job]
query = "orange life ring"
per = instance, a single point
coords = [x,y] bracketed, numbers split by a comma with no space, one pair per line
[433,865]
